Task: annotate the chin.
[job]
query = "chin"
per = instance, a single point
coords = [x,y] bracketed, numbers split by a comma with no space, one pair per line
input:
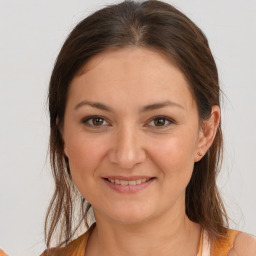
[129,219]
[129,215]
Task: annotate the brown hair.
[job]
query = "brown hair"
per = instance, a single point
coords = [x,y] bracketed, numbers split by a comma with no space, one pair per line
[151,24]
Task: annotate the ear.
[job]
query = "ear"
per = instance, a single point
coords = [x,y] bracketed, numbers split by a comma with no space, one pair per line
[207,133]
[65,150]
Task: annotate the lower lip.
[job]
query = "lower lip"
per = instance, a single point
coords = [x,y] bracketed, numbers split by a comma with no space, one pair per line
[128,188]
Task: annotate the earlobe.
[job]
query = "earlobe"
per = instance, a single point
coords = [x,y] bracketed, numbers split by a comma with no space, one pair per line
[65,150]
[207,133]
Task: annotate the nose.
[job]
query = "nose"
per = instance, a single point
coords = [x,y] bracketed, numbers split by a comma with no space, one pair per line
[127,148]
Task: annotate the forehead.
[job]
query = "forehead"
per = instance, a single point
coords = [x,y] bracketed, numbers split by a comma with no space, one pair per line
[126,54]
[133,71]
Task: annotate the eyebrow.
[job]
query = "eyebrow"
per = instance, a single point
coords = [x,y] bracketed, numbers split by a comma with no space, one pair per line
[146,108]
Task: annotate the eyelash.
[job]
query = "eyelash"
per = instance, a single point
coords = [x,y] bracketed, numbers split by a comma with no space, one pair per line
[90,118]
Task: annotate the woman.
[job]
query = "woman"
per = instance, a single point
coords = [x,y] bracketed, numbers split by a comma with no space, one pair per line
[136,137]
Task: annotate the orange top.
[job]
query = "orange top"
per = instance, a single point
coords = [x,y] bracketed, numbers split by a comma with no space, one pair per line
[2,253]
[77,247]
[221,247]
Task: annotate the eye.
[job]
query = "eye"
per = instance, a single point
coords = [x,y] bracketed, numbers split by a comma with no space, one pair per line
[160,122]
[95,121]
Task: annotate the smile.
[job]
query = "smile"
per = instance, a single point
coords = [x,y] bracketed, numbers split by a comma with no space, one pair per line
[128,182]
[128,185]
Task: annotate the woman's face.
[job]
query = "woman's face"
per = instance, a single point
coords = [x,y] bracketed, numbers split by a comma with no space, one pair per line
[131,133]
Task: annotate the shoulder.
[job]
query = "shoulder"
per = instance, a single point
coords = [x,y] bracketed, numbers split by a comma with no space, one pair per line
[244,245]
[76,247]
[2,253]
[234,243]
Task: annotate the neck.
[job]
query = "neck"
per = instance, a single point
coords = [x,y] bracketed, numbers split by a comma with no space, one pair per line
[170,234]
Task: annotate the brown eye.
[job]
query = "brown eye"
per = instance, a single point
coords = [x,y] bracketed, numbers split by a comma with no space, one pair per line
[95,121]
[161,122]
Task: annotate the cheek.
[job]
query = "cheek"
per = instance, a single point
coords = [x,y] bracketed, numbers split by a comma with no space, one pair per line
[174,159]
[174,155]
[85,155]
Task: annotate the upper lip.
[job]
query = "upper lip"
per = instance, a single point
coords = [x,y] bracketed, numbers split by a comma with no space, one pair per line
[128,178]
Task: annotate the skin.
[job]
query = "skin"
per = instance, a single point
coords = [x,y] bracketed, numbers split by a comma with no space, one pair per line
[128,142]
[245,244]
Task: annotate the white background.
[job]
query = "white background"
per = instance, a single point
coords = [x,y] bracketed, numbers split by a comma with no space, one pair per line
[31,34]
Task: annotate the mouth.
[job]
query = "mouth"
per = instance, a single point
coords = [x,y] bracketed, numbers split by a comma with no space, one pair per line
[128,185]
[128,181]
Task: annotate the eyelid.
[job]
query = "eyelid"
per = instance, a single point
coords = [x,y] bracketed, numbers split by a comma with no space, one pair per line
[86,120]
[170,120]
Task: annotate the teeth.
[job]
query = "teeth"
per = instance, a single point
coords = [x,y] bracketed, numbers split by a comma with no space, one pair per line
[130,182]
[124,182]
